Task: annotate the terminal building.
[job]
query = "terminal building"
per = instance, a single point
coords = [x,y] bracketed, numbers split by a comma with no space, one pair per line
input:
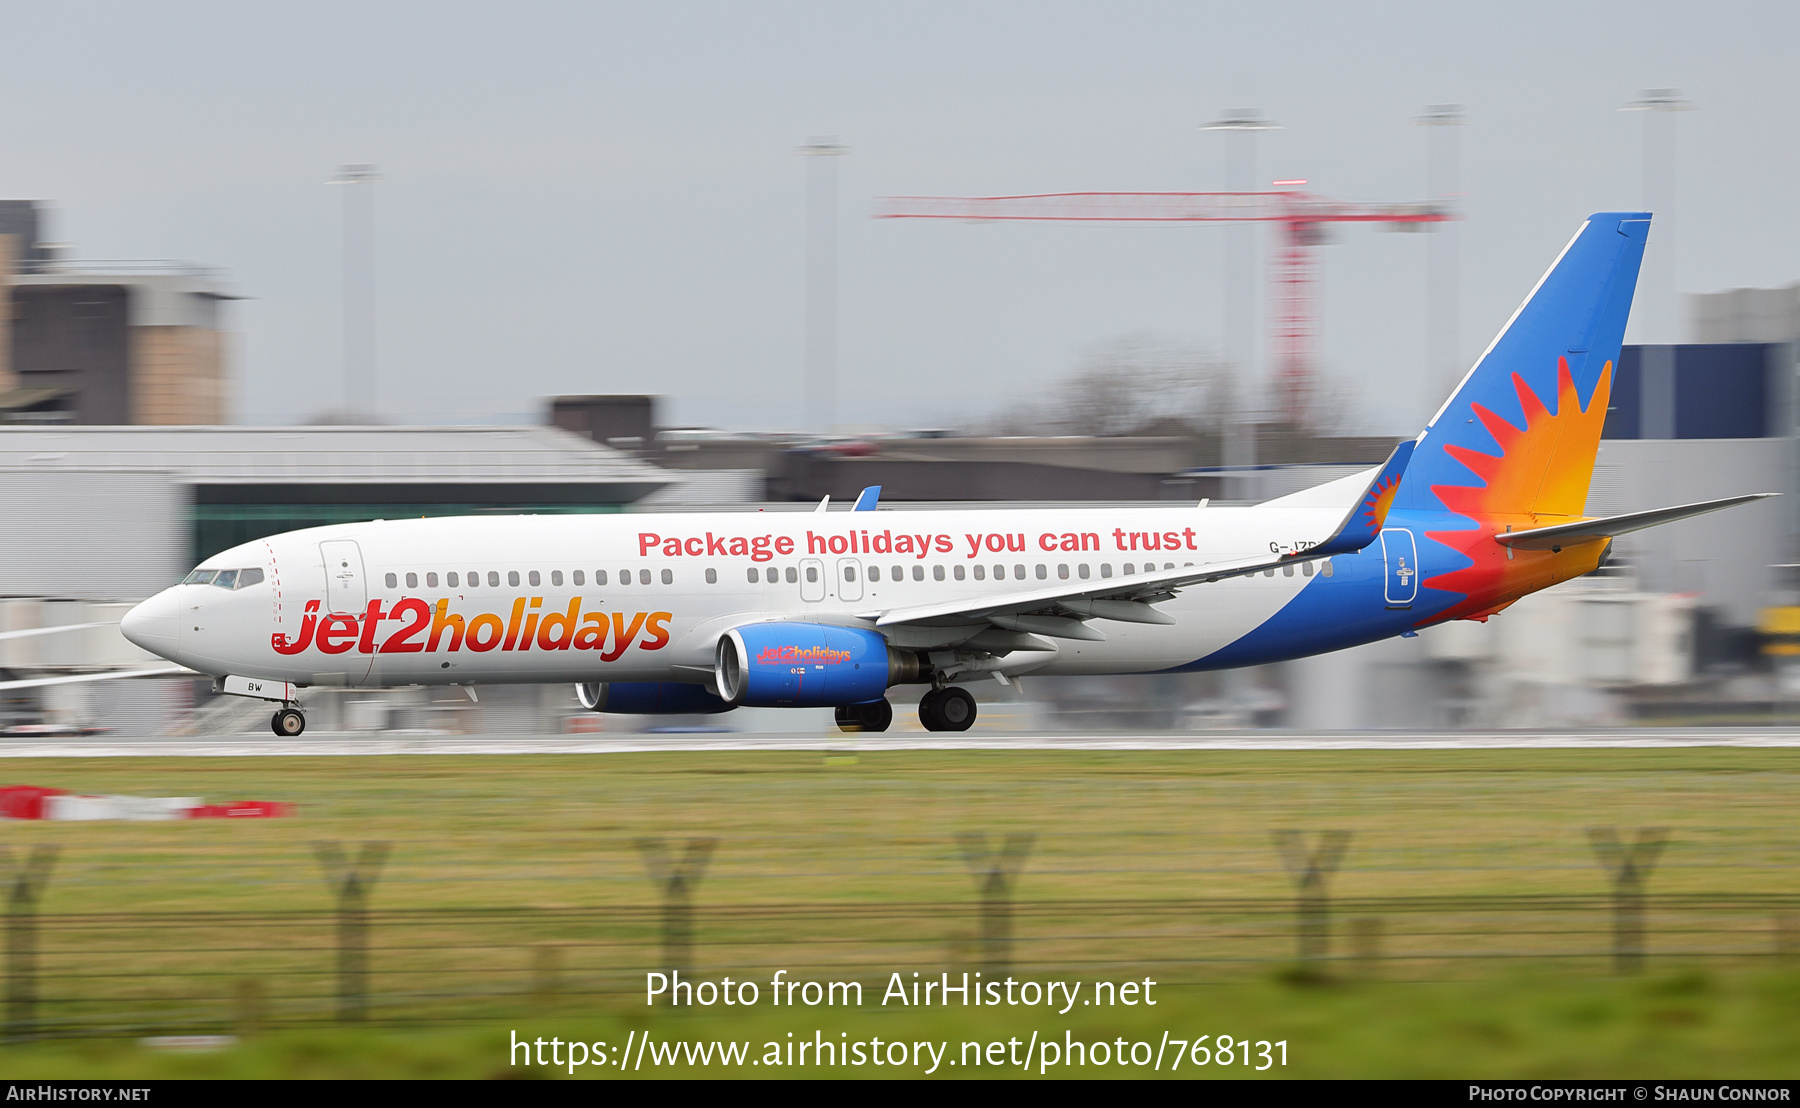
[101,517]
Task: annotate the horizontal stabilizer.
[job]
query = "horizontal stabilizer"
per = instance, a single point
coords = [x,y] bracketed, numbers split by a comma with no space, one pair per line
[1568,534]
[1369,513]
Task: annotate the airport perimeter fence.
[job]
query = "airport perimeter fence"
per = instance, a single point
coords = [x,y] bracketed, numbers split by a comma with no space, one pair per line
[119,973]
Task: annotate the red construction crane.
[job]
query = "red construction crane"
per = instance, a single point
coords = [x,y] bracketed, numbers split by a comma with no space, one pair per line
[1302,215]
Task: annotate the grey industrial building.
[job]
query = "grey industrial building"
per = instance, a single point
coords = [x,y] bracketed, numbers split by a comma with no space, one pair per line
[96,342]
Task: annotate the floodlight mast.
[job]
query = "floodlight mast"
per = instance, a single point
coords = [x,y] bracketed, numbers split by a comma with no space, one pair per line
[1240,127]
[1238,301]
[821,282]
[1443,285]
[359,288]
[1659,106]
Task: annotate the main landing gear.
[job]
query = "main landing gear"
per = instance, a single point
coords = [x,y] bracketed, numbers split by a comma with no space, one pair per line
[288,722]
[873,716]
[951,709]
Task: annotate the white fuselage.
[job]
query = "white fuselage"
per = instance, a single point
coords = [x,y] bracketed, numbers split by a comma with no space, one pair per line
[497,599]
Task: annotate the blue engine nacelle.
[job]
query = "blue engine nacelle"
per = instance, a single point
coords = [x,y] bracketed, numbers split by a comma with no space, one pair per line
[649,698]
[808,665]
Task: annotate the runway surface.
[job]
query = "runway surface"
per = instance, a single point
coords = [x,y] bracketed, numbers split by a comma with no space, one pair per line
[339,744]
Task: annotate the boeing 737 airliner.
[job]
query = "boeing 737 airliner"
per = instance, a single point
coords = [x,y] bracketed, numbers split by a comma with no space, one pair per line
[697,613]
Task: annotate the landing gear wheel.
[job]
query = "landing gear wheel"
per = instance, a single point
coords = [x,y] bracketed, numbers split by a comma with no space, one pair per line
[951,709]
[288,723]
[928,709]
[874,716]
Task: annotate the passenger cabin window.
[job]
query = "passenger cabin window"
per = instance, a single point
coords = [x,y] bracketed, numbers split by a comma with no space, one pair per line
[1082,571]
[555,577]
[534,579]
[958,572]
[812,574]
[1325,568]
[874,573]
[712,576]
[752,574]
[579,578]
[392,581]
[1044,574]
[1019,572]
[431,580]
[898,573]
[850,572]
[643,577]
[791,575]
[1306,569]
[624,577]
[1106,569]
[599,577]
[937,573]
[451,579]
[493,578]
[1062,572]
[412,580]
[512,578]
[668,577]
[980,573]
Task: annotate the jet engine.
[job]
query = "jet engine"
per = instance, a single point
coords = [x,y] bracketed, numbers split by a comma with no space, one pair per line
[808,665]
[649,698]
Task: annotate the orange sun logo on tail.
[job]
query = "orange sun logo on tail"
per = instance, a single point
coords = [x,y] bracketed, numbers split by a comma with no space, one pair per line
[1540,477]
[1380,499]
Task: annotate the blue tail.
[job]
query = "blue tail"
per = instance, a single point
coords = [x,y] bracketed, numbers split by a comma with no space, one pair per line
[1520,433]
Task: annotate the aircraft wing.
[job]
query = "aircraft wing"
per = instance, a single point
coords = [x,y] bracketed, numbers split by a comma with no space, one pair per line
[1587,530]
[109,675]
[1061,611]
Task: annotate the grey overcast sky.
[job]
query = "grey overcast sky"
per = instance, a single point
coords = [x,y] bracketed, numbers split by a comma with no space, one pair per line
[594,197]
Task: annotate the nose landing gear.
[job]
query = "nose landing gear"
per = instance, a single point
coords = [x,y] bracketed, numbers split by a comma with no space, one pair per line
[288,722]
[950,709]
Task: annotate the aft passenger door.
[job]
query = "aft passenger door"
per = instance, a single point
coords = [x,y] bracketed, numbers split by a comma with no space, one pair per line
[1401,555]
[812,580]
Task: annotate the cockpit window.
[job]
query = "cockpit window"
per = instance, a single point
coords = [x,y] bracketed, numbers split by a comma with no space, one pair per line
[225,578]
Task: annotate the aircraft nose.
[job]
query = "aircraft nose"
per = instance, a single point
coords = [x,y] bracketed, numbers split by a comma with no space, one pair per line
[154,625]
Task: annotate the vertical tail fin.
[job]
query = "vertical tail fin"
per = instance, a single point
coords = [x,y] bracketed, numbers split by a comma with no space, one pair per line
[1520,433]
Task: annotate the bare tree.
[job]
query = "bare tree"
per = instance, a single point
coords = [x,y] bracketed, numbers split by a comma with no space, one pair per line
[1132,385]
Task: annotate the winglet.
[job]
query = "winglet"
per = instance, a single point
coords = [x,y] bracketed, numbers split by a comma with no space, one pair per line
[867,499]
[1369,513]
